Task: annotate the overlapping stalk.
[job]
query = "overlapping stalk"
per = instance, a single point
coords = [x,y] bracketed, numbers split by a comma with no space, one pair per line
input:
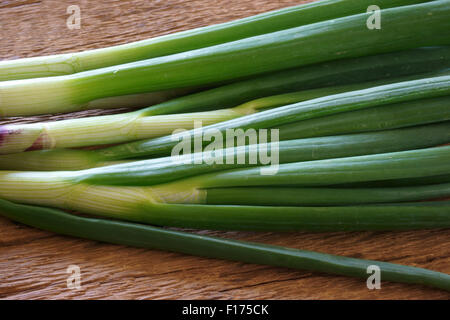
[285,18]
[404,27]
[315,108]
[167,169]
[108,129]
[132,193]
[377,112]
[137,125]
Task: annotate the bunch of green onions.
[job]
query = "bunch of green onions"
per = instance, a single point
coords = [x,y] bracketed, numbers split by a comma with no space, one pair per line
[363,127]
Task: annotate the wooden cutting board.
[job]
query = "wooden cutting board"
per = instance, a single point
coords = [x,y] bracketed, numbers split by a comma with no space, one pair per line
[33,263]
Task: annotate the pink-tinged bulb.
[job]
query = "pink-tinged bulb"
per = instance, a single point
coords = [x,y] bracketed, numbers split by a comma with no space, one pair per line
[6,132]
[3,134]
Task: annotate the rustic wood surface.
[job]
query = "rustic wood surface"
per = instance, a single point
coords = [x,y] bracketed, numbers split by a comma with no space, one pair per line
[33,263]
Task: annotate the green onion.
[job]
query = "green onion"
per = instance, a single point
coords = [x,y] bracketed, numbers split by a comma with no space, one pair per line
[163,170]
[212,247]
[137,125]
[375,118]
[338,72]
[274,118]
[396,165]
[127,193]
[403,28]
[108,129]
[69,63]
[345,71]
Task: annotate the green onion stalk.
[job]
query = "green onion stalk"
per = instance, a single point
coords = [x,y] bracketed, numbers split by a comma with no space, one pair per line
[404,27]
[137,125]
[417,61]
[159,194]
[357,111]
[110,129]
[144,236]
[346,102]
[166,169]
[64,64]
[66,159]
[338,72]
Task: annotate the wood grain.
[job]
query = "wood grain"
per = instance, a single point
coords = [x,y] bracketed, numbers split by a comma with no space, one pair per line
[33,263]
